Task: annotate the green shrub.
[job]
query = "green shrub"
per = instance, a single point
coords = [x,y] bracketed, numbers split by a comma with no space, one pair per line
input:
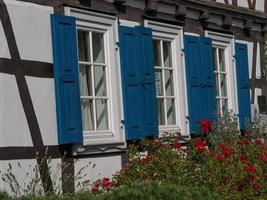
[136,191]
[219,159]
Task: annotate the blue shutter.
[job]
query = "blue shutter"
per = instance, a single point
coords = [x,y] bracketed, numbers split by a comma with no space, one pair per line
[243,85]
[200,80]
[139,96]
[147,76]
[208,83]
[66,79]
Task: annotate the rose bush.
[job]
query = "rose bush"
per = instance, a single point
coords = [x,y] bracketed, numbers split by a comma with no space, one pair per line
[233,165]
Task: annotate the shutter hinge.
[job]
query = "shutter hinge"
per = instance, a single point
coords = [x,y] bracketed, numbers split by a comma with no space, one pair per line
[234,58]
[182,51]
[117,45]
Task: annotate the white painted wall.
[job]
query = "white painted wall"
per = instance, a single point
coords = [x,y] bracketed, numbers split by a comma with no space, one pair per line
[14,130]
[42,91]
[33,37]
[91,169]
[31,25]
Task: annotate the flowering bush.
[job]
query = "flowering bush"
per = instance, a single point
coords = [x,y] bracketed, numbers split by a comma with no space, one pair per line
[232,165]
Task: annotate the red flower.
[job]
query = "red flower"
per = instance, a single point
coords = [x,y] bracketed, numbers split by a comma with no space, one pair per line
[177,145]
[263,157]
[220,157]
[256,186]
[245,133]
[250,168]
[235,186]
[200,144]
[157,142]
[222,146]
[226,151]
[243,159]
[178,133]
[106,184]
[94,190]
[206,126]
[243,142]
[146,159]
[258,142]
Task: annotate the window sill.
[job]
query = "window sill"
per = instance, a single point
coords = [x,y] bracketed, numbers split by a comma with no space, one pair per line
[79,149]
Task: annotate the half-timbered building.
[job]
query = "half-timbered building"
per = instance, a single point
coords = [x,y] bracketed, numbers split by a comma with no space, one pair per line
[81,79]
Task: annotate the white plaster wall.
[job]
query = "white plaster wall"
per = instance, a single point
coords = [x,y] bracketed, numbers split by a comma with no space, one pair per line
[260,5]
[4,51]
[31,25]
[243,3]
[55,166]
[91,169]
[42,91]
[24,171]
[14,129]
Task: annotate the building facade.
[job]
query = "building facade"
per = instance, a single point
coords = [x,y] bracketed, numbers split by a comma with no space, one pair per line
[79,80]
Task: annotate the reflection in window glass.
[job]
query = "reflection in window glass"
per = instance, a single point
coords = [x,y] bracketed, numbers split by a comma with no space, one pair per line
[157,55]
[100,80]
[159,82]
[83,45]
[170,111]
[220,76]
[161,111]
[168,83]
[92,77]
[167,54]
[101,114]
[164,82]
[88,114]
[98,47]
[85,80]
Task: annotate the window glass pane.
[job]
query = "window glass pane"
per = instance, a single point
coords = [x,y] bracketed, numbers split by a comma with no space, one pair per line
[218,106]
[83,46]
[168,82]
[223,85]
[224,106]
[214,59]
[167,54]
[98,47]
[216,76]
[222,60]
[85,80]
[161,111]
[170,107]
[100,80]
[157,56]
[159,82]
[87,114]
[101,114]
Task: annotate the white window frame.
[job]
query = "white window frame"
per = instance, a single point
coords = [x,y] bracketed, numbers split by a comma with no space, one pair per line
[227,42]
[87,20]
[174,34]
